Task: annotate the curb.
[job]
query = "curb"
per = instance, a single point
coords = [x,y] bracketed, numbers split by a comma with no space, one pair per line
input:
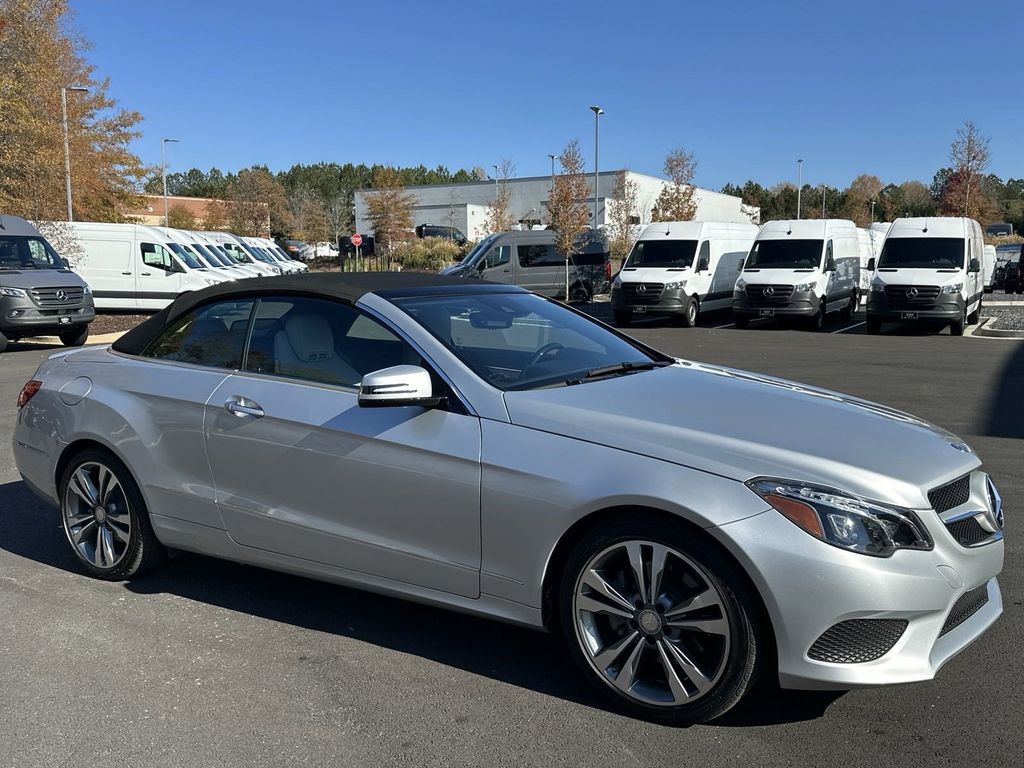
[995,333]
[103,338]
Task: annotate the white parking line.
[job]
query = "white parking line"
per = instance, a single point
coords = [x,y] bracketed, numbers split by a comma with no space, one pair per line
[850,327]
[727,325]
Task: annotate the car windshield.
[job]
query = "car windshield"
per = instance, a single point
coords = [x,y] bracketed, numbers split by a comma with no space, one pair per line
[254,253]
[662,253]
[25,252]
[785,254]
[211,255]
[187,256]
[480,247]
[923,253]
[235,257]
[518,341]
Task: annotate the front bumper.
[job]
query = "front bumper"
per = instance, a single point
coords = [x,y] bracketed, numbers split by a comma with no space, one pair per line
[809,587]
[672,301]
[20,317]
[946,308]
[804,304]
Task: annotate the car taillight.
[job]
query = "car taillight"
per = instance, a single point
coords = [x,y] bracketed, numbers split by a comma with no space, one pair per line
[28,392]
[608,270]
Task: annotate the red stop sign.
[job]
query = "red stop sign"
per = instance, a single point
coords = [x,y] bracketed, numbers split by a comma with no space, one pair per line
[357,239]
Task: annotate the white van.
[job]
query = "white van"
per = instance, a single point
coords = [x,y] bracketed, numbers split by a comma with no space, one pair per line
[131,266]
[803,269]
[681,268]
[258,245]
[216,252]
[988,268]
[929,271]
[870,244]
[241,253]
[178,241]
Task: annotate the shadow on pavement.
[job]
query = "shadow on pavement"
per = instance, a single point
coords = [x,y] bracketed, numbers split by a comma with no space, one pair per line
[1006,405]
[514,655]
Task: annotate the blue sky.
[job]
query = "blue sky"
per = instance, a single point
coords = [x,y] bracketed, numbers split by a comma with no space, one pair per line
[747,86]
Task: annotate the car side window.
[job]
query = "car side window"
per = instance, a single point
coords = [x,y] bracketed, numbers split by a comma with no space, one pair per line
[213,336]
[155,255]
[540,255]
[498,256]
[319,340]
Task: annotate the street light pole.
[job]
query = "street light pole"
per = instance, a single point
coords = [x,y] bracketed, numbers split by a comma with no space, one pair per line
[552,172]
[163,172]
[597,145]
[495,167]
[67,147]
[823,201]
[872,211]
[799,185]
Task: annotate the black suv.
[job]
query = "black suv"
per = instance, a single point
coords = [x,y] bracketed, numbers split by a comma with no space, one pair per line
[448,233]
[1013,279]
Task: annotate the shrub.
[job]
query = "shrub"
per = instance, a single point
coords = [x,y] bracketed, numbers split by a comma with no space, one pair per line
[428,254]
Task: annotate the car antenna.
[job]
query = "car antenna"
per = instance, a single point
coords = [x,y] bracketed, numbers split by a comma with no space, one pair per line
[789,227]
[925,225]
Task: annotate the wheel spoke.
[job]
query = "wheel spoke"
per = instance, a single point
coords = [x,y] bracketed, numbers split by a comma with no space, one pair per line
[710,626]
[596,582]
[108,486]
[636,561]
[675,684]
[79,535]
[587,603]
[607,657]
[659,555]
[108,546]
[691,670]
[98,554]
[627,675]
[115,529]
[705,599]
[83,486]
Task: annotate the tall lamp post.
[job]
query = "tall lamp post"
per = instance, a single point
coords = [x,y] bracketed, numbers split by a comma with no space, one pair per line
[495,167]
[799,185]
[67,147]
[872,211]
[597,145]
[823,201]
[163,172]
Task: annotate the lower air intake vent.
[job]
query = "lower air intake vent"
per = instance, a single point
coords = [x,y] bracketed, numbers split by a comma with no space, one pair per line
[968,532]
[968,605]
[857,640]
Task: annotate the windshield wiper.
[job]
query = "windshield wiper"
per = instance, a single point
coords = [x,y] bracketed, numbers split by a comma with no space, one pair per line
[616,369]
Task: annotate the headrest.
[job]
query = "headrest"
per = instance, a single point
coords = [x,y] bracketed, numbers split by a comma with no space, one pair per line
[310,337]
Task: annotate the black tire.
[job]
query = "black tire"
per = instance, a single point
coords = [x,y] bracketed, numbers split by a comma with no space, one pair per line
[848,311]
[874,326]
[623,319]
[3,343]
[747,652]
[741,321]
[818,321]
[975,316]
[143,551]
[956,328]
[579,293]
[692,313]
[76,337]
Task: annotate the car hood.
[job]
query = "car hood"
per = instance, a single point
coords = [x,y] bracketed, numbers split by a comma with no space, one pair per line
[653,274]
[743,425]
[40,278]
[773,276]
[904,276]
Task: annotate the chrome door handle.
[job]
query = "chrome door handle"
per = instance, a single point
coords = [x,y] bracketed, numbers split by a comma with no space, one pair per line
[126,273]
[237,407]
[147,274]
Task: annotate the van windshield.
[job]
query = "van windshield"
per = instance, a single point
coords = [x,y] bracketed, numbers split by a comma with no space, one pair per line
[785,254]
[24,252]
[186,255]
[210,255]
[477,249]
[923,253]
[662,253]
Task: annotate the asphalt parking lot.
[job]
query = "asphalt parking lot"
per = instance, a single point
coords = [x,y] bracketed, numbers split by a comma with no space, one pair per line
[213,663]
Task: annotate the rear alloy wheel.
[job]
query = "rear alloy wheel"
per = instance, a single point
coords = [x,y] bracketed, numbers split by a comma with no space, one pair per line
[660,621]
[105,518]
[75,337]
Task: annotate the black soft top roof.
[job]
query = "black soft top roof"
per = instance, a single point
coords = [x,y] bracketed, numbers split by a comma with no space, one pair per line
[348,287]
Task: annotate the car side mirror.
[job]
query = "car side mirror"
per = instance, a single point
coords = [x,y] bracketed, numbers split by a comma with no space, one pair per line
[396,386]
[703,263]
[871,264]
[740,265]
[974,266]
[830,265]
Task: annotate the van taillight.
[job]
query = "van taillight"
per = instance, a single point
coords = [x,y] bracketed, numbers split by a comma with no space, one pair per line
[608,271]
[28,392]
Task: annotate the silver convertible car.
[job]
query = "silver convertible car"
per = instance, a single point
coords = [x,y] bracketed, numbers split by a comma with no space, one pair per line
[684,527]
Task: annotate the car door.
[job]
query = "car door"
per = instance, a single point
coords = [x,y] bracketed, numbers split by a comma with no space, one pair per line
[303,471]
[496,264]
[157,281]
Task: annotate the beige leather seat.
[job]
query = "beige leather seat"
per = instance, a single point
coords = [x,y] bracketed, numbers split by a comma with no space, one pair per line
[305,349]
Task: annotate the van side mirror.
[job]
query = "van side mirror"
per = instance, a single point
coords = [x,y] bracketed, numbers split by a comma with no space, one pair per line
[974,266]
[740,265]
[703,263]
[830,264]
[871,264]
[396,386]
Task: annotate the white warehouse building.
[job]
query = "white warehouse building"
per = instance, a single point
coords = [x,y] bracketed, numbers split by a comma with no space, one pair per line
[464,206]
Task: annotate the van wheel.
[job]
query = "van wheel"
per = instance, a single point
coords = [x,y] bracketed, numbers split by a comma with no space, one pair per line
[3,342]
[627,609]
[623,319]
[75,338]
[849,310]
[578,294]
[972,319]
[874,326]
[741,321]
[692,312]
[818,321]
[957,327]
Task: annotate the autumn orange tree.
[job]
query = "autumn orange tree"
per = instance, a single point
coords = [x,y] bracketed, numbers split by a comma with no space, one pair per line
[38,57]
[389,209]
[567,206]
[678,200]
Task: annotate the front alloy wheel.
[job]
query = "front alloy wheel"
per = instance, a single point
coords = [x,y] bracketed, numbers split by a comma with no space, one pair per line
[658,629]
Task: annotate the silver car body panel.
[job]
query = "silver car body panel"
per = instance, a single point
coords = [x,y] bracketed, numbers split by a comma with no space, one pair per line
[470,519]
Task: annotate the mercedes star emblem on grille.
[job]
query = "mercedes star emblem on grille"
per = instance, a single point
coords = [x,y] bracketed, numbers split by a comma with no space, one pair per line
[769,291]
[62,295]
[911,293]
[641,288]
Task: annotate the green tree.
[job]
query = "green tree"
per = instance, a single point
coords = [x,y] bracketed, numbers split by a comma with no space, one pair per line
[389,209]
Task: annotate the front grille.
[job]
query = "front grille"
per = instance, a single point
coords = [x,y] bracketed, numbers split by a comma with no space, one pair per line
[950,495]
[924,294]
[968,531]
[778,293]
[968,605]
[640,293]
[857,640]
[47,297]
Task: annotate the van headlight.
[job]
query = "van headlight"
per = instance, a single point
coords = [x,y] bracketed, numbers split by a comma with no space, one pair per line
[842,519]
[86,291]
[673,286]
[953,288]
[803,287]
[877,286]
[740,284]
[14,292]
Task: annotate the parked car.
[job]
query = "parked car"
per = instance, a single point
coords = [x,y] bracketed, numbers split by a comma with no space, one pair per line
[39,295]
[929,271]
[529,259]
[435,230]
[132,266]
[1013,280]
[681,268]
[480,447]
[296,249]
[800,269]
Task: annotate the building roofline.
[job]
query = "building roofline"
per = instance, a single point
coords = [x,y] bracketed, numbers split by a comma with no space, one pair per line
[546,177]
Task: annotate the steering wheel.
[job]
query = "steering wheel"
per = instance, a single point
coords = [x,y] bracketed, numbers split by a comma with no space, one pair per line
[547,349]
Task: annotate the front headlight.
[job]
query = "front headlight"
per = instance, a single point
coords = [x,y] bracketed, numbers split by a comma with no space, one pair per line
[86,291]
[617,282]
[211,281]
[842,519]
[877,286]
[740,284]
[954,288]
[15,292]
[803,287]
[676,284]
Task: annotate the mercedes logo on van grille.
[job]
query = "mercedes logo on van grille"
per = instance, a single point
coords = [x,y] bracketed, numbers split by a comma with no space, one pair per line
[769,291]
[641,288]
[62,295]
[911,293]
